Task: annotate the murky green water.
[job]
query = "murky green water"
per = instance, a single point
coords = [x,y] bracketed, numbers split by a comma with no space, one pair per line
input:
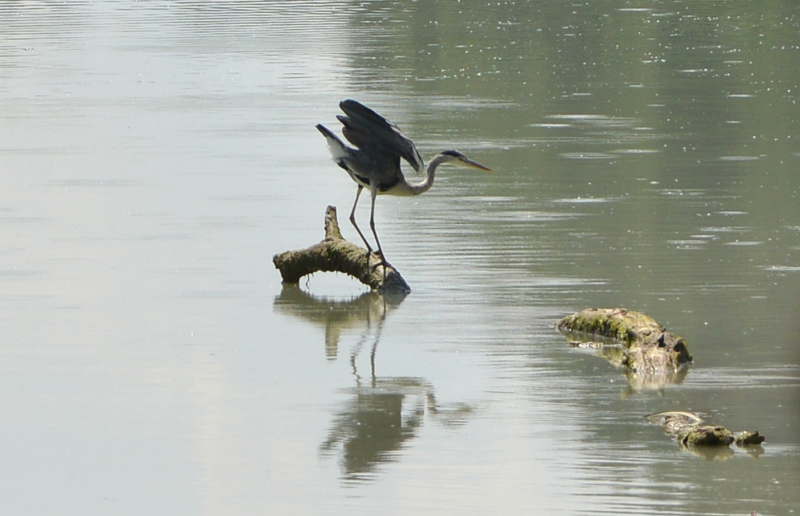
[154,156]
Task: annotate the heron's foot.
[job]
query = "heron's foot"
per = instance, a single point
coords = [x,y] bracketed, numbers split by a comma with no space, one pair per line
[383,262]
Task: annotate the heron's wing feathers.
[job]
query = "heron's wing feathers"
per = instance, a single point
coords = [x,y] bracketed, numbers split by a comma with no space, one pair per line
[366,129]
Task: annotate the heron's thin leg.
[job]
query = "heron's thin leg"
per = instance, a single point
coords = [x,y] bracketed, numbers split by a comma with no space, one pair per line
[353,220]
[374,192]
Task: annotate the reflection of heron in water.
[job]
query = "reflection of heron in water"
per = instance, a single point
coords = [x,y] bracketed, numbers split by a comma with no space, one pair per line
[383,414]
[381,417]
[375,162]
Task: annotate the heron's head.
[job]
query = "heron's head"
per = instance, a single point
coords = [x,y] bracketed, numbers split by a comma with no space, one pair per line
[457,158]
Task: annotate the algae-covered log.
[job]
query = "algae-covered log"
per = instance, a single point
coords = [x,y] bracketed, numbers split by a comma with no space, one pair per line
[335,254]
[646,346]
[689,431]
[748,438]
[704,435]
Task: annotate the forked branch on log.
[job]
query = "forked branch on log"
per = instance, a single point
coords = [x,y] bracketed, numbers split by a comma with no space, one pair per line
[689,430]
[335,254]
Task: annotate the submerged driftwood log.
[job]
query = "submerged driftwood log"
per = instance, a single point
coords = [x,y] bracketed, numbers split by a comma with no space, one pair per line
[639,344]
[689,431]
[335,254]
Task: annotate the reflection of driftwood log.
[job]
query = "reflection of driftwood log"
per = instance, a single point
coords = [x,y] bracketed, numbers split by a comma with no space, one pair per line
[363,314]
[641,344]
[689,430]
[335,254]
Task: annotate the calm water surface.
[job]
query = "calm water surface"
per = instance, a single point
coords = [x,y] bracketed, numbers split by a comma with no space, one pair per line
[154,156]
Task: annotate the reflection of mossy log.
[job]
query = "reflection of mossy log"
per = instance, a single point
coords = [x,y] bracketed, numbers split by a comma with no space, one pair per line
[689,430]
[646,347]
[335,254]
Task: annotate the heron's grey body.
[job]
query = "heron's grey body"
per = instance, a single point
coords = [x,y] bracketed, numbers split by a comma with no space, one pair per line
[374,163]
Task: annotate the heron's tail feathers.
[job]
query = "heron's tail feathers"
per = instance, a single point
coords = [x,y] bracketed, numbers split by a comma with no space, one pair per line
[336,147]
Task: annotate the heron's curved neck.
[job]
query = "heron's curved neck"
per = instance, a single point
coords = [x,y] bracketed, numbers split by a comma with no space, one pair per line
[425,185]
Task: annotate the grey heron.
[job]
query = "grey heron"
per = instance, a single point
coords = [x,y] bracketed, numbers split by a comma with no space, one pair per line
[374,163]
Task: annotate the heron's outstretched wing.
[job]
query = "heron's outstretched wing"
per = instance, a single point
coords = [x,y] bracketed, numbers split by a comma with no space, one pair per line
[368,130]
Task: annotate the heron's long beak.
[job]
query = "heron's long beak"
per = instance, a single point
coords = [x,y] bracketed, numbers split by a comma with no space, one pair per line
[473,164]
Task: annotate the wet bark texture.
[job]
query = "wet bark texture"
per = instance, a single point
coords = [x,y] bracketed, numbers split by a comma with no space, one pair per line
[642,345]
[335,254]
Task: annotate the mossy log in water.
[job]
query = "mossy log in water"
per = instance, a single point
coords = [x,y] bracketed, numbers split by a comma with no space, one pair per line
[689,431]
[335,254]
[645,346]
